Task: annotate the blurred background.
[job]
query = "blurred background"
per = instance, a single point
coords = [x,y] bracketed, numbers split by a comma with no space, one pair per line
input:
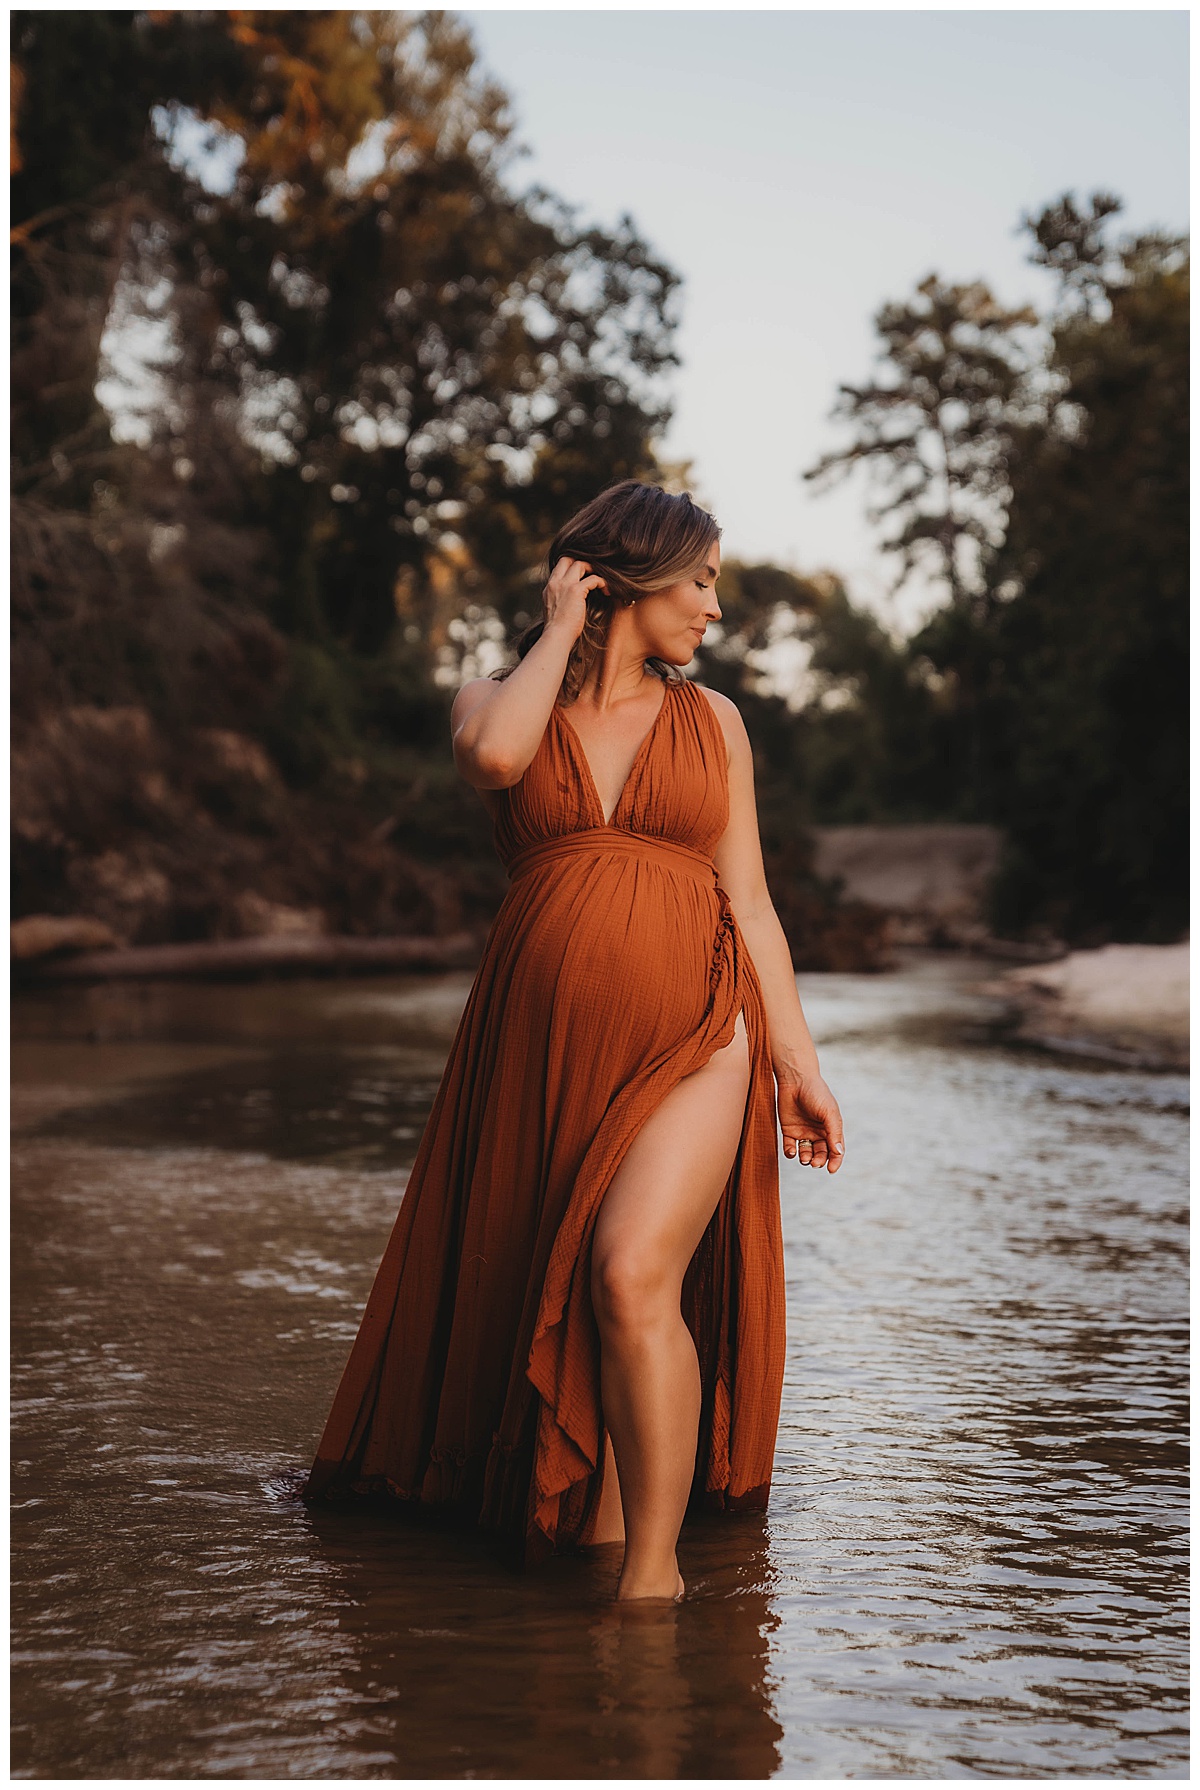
[310,361]
[323,322]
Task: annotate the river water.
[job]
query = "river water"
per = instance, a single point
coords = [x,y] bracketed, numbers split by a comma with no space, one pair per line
[972,1562]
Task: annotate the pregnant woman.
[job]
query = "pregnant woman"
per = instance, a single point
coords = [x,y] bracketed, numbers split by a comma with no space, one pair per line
[577,1328]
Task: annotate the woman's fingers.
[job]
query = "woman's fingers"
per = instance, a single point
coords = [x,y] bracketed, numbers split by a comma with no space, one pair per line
[801,1139]
[831,1148]
[565,597]
[589,580]
[567,590]
[579,575]
[814,1137]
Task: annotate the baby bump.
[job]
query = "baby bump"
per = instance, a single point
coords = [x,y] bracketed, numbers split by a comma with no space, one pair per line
[616,958]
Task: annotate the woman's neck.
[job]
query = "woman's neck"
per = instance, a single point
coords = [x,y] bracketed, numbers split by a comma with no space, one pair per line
[611,682]
[618,670]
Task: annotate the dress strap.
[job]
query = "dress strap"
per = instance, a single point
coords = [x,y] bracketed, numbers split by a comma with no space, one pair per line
[708,728]
[619,840]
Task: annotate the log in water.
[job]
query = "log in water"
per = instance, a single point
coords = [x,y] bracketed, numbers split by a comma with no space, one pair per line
[240,959]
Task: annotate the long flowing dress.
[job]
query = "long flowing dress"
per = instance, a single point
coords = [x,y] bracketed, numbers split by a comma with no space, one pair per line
[614,968]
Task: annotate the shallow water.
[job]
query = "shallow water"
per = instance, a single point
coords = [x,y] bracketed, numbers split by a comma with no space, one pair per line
[972,1561]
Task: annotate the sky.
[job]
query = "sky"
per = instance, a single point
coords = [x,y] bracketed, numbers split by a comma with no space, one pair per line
[800,168]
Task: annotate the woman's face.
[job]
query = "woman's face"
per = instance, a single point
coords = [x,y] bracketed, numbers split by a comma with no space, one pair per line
[671,622]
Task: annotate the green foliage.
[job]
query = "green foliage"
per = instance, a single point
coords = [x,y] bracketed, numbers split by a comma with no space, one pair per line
[1048,492]
[382,379]
[1071,677]
[936,431]
[1093,710]
[861,734]
[417,354]
[89,182]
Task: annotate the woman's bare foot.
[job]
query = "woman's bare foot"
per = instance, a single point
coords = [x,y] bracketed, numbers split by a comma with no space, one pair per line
[631,1588]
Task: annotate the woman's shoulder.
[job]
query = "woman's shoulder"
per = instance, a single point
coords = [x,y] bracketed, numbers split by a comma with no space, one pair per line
[468,696]
[726,714]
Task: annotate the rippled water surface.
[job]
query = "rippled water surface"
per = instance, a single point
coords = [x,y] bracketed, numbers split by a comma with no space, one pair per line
[972,1561]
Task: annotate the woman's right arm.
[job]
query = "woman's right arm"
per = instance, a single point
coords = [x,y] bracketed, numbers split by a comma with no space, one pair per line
[497,725]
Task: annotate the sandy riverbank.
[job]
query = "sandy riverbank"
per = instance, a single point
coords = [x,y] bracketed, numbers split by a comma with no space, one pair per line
[1124,1003]
[930,878]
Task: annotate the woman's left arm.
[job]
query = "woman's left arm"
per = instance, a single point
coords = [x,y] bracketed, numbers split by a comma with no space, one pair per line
[807,1108]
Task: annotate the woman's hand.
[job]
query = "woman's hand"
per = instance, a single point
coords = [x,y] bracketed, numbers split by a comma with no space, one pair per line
[565,596]
[811,1122]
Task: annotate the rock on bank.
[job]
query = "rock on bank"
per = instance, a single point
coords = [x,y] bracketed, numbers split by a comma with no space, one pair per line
[1123,1003]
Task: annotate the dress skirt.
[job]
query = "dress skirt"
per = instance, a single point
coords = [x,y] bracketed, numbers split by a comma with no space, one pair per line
[614,968]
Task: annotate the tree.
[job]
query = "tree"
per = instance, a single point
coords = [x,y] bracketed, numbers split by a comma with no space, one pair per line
[1051,493]
[130,584]
[936,430]
[89,172]
[381,377]
[1089,638]
[849,725]
[421,360]
[107,609]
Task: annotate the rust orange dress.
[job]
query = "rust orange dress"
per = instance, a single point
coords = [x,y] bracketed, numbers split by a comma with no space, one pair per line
[613,968]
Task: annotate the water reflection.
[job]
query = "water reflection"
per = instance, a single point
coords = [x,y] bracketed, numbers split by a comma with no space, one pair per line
[972,1564]
[574,1685]
[358,1108]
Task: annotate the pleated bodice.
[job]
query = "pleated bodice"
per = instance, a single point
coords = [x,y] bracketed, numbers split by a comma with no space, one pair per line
[677,788]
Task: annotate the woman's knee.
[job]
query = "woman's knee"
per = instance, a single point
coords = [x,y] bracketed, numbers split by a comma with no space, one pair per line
[632,1289]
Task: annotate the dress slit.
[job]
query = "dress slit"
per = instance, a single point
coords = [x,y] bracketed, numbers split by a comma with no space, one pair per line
[595,1491]
[614,969]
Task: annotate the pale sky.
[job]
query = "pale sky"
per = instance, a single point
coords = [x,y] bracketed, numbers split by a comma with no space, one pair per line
[799,168]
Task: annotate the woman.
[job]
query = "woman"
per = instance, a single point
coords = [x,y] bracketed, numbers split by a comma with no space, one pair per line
[587,1268]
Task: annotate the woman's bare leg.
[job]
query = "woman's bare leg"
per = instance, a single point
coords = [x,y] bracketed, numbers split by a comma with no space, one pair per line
[609,1522]
[651,1219]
